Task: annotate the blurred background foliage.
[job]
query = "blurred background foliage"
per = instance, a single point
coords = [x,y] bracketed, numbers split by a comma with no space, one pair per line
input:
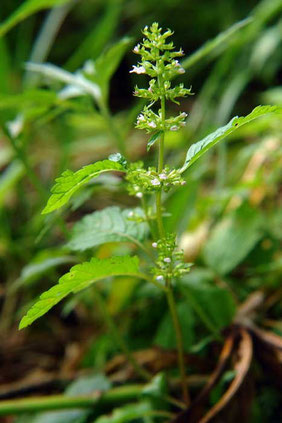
[228,217]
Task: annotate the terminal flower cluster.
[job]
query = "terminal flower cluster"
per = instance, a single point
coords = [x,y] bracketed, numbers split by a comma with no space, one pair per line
[142,181]
[170,262]
[159,62]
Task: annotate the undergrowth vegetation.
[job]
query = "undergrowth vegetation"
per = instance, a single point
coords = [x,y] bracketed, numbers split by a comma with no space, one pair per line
[164,219]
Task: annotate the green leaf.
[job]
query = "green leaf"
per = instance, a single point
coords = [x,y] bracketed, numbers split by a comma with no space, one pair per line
[108,225]
[232,239]
[26,9]
[107,63]
[69,182]
[42,263]
[214,305]
[221,40]
[153,139]
[100,34]
[198,149]
[77,81]
[126,414]
[78,278]
[165,336]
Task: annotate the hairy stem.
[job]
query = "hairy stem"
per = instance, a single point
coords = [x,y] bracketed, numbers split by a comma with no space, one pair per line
[120,341]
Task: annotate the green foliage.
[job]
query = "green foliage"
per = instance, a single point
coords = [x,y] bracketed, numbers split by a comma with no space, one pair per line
[214,305]
[127,413]
[109,225]
[26,9]
[165,336]
[153,139]
[232,239]
[201,147]
[42,263]
[212,46]
[78,278]
[67,184]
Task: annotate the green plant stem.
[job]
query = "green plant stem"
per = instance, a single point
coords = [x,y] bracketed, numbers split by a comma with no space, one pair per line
[179,342]
[115,396]
[169,293]
[145,208]
[120,341]
[112,127]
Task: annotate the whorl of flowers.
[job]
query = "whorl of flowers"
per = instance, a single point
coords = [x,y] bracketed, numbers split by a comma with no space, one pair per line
[159,62]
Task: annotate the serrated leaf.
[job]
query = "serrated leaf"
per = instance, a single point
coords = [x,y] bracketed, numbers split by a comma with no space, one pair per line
[26,9]
[108,225]
[198,149]
[67,184]
[80,277]
[153,139]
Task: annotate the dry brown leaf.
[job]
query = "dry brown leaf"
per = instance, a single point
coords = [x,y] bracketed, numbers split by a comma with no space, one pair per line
[245,353]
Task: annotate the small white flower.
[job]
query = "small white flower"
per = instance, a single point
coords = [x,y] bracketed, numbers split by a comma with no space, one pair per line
[138,69]
[152,125]
[136,49]
[174,128]
[154,245]
[159,278]
[183,183]
[155,182]
[183,115]
[177,64]
[130,214]
[139,195]
[167,260]
[141,117]
[162,176]
[181,70]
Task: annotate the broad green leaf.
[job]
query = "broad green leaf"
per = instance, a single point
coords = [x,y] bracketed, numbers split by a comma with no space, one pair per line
[153,139]
[111,224]
[221,40]
[26,9]
[198,149]
[165,336]
[67,184]
[232,239]
[78,278]
[214,305]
